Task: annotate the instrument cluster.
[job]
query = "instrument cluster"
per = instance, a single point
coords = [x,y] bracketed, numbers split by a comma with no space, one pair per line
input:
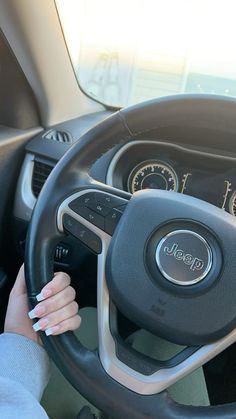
[157,165]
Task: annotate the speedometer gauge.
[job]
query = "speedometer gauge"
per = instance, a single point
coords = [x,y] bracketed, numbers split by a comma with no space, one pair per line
[152,174]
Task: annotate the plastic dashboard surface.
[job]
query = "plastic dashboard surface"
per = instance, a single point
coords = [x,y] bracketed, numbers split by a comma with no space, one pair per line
[209,176]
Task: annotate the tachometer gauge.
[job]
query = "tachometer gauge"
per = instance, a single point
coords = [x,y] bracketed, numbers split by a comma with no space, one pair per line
[152,174]
[232,204]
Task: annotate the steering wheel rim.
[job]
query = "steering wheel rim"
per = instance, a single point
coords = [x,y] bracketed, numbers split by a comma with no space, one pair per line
[70,177]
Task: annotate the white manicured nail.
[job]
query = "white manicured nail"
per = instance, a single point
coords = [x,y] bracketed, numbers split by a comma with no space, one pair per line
[36,327]
[52,330]
[44,294]
[49,331]
[32,314]
[41,324]
[40,297]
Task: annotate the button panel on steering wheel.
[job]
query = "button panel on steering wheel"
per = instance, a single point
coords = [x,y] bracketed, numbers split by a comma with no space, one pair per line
[82,233]
[100,209]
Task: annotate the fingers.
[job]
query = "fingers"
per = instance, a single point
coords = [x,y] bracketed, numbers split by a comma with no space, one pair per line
[55,295]
[69,324]
[60,281]
[58,317]
[57,311]
[54,303]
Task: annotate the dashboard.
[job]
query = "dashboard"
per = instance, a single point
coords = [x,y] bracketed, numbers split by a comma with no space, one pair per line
[154,164]
[201,164]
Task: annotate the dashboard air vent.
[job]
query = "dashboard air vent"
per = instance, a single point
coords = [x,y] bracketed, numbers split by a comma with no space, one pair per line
[40,174]
[59,136]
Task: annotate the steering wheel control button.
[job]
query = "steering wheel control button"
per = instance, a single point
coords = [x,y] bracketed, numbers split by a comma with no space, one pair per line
[99,208]
[82,201]
[184,257]
[109,201]
[91,216]
[82,233]
[111,221]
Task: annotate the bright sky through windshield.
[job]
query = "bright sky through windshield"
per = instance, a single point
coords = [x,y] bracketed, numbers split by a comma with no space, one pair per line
[128,50]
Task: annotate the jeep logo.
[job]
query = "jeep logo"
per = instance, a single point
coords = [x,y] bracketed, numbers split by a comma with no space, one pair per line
[193,262]
[180,266]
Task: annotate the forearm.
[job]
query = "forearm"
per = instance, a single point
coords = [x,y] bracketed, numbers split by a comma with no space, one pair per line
[17,402]
[25,362]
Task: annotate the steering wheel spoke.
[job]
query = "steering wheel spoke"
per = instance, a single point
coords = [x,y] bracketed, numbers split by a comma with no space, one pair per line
[91,216]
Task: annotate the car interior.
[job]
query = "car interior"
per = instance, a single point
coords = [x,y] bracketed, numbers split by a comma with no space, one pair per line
[119,168]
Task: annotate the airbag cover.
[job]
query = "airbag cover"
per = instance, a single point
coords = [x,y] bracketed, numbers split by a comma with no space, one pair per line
[195,314]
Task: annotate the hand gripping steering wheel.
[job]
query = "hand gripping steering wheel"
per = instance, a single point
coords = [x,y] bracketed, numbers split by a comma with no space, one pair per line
[167,261]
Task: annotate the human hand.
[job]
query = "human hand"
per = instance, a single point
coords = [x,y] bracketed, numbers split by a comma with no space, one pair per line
[57,310]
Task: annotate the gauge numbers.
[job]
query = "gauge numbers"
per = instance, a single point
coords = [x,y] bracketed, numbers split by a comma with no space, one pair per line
[152,174]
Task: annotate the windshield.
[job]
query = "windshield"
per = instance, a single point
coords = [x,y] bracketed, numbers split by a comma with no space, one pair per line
[126,51]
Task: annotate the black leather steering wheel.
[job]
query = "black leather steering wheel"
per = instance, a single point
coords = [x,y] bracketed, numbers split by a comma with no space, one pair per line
[165,260]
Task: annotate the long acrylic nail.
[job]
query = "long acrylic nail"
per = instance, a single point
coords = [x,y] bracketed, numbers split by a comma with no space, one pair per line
[41,324]
[38,311]
[52,330]
[43,295]
[32,314]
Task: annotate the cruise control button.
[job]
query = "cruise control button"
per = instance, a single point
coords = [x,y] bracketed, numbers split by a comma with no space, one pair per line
[82,233]
[82,201]
[91,216]
[112,220]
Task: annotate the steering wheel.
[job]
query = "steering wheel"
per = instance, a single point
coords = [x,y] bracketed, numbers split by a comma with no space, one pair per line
[165,260]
